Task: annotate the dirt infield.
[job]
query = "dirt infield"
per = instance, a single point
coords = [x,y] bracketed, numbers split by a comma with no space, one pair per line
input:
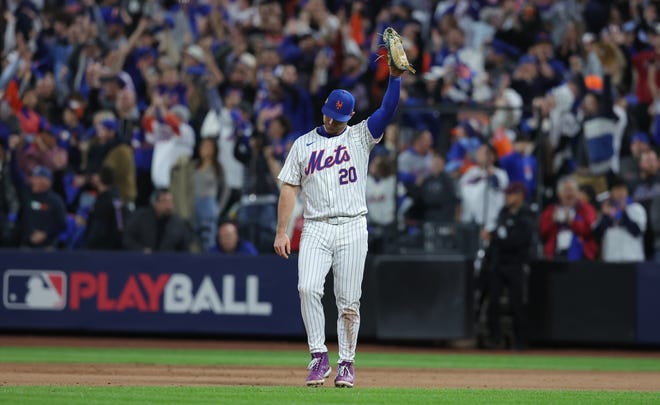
[127,374]
[133,374]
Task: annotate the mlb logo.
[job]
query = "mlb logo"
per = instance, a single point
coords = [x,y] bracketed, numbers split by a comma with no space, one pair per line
[34,290]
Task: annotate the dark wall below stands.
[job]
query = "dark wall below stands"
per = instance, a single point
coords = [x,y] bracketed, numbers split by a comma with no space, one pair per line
[411,298]
[583,302]
[648,303]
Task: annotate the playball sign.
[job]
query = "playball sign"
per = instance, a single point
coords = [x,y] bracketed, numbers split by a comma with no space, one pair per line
[169,293]
[131,293]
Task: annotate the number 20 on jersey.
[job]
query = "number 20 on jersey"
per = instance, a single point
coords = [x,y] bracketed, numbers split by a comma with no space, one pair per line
[347,175]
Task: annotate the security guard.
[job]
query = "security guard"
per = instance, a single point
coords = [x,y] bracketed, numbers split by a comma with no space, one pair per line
[508,252]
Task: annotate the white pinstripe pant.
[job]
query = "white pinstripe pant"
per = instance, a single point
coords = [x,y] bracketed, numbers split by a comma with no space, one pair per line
[344,248]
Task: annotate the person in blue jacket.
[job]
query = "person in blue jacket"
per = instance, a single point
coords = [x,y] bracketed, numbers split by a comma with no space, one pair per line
[230,243]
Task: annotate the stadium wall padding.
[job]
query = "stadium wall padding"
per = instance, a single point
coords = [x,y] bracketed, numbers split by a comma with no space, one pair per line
[404,297]
[583,302]
[411,298]
[648,303]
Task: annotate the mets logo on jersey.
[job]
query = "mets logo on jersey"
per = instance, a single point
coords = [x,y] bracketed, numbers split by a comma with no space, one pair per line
[34,289]
[319,161]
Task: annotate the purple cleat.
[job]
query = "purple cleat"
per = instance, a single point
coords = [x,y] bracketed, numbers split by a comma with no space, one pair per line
[319,369]
[345,375]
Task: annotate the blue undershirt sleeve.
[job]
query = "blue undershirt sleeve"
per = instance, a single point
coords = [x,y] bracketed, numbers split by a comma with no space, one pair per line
[599,227]
[384,114]
[408,179]
[630,225]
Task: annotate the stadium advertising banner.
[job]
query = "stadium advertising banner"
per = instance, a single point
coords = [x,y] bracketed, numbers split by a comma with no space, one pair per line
[163,293]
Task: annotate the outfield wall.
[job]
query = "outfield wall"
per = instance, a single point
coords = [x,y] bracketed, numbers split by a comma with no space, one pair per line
[404,297]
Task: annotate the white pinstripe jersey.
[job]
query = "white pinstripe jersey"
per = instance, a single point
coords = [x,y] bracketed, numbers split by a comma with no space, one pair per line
[332,171]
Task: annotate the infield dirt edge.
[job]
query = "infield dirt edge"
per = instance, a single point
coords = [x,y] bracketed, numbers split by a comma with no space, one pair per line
[70,374]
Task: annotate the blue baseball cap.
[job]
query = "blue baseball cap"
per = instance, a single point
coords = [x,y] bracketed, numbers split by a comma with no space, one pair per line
[339,105]
[526,59]
[42,171]
[505,48]
[143,51]
[168,21]
[197,70]
[110,124]
[641,137]
[204,9]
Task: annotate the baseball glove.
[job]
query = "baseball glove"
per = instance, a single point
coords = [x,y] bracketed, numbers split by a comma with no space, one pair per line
[396,55]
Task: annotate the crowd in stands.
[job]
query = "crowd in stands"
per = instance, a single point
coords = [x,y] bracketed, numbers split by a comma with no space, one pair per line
[161,125]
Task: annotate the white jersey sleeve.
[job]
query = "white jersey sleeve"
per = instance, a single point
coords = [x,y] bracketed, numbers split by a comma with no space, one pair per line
[362,135]
[291,172]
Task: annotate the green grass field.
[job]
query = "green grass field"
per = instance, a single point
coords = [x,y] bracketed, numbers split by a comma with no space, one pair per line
[293,395]
[196,357]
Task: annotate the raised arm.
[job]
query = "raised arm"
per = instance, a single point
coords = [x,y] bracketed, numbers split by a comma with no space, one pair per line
[130,44]
[213,98]
[385,113]
[13,62]
[398,64]
[608,98]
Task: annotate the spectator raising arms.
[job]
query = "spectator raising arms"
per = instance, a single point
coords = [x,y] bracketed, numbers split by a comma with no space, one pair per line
[219,124]
[172,135]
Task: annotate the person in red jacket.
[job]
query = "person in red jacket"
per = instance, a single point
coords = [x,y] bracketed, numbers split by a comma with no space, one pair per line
[566,226]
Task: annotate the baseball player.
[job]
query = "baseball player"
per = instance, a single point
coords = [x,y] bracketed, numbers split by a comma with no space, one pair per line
[329,166]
